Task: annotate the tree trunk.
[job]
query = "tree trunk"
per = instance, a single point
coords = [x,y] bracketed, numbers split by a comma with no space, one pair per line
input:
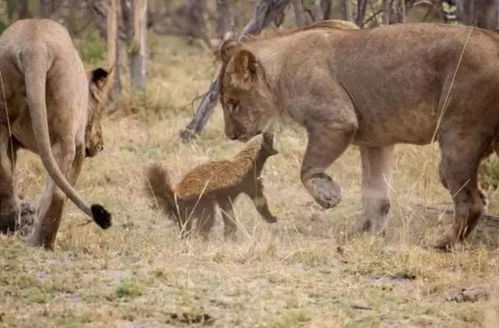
[327,9]
[45,8]
[361,12]
[48,7]
[19,8]
[265,12]
[402,11]
[386,11]
[138,48]
[298,12]
[224,19]
[346,7]
[113,45]
[496,4]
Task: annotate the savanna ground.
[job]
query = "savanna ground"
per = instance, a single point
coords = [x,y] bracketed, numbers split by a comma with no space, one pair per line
[308,270]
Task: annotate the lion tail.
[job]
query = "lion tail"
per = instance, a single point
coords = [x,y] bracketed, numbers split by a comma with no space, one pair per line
[160,190]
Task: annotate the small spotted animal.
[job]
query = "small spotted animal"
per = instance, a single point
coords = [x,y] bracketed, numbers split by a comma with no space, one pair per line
[216,182]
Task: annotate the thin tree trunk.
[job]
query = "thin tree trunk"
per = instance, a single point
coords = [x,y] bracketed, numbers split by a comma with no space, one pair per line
[265,12]
[327,9]
[346,7]
[113,45]
[402,11]
[386,11]
[46,8]
[361,12]
[224,19]
[22,7]
[298,12]
[316,11]
[138,50]
[496,3]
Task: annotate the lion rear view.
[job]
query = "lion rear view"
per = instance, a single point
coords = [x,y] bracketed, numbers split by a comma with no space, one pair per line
[49,107]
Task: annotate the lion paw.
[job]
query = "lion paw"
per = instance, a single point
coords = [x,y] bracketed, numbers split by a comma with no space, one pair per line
[325,191]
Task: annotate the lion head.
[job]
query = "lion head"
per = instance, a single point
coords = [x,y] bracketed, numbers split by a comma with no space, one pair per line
[98,92]
[246,96]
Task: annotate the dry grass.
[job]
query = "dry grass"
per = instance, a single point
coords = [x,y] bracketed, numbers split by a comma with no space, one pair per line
[308,270]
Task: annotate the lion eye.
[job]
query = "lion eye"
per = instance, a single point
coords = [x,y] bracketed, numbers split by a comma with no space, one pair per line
[233,106]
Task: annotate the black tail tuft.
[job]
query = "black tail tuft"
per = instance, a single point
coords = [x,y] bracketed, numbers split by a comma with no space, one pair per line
[101,216]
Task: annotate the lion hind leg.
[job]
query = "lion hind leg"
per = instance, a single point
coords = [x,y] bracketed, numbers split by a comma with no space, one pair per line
[51,202]
[458,171]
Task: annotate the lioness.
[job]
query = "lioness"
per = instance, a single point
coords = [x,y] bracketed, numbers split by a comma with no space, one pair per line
[48,106]
[215,182]
[408,83]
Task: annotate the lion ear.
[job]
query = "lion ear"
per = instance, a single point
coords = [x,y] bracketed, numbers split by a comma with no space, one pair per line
[244,69]
[228,49]
[99,77]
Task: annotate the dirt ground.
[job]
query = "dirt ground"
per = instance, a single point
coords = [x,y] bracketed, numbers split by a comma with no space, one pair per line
[308,270]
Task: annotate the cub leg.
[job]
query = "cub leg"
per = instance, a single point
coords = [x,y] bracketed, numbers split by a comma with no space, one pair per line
[51,203]
[230,226]
[458,171]
[9,209]
[326,142]
[377,164]
[261,202]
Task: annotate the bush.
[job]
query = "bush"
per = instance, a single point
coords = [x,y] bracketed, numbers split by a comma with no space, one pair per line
[92,49]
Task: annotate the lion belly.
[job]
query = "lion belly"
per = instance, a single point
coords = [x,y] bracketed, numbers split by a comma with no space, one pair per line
[416,125]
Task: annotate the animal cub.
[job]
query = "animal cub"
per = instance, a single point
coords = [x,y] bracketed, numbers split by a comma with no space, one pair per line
[215,182]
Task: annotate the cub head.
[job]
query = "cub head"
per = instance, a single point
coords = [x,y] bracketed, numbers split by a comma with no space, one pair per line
[99,86]
[247,99]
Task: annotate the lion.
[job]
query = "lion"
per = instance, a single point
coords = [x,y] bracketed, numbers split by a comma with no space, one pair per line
[407,83]
[215,182]
[50,107]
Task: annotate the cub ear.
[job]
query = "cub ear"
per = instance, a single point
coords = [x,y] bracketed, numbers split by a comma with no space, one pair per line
[244,69]
[228,49]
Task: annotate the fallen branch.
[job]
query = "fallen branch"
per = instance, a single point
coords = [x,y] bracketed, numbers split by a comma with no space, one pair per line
[266,11]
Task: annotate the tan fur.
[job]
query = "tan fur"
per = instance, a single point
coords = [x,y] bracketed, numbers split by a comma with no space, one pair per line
[47,106]
[212,183]
[406,83]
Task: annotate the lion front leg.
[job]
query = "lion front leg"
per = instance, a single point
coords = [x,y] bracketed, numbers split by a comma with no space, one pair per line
[51,202]
[9,208]
[326,142]
[377,164]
